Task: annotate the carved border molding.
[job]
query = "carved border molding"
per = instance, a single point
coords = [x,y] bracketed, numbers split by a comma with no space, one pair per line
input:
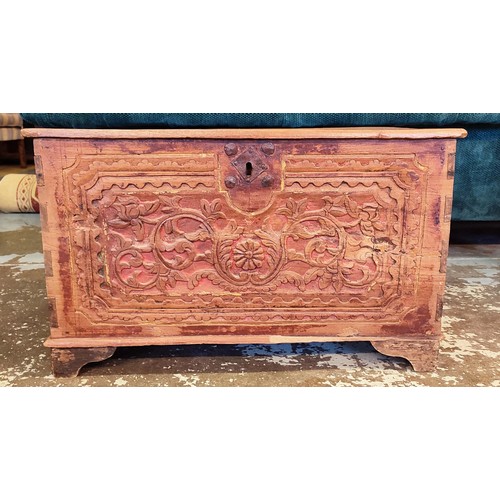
[239,253]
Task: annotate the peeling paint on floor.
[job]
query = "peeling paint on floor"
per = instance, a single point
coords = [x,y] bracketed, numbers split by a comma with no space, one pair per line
[469,354]
[8,258]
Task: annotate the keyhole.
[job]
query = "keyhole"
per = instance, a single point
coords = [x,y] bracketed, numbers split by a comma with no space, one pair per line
[248,170]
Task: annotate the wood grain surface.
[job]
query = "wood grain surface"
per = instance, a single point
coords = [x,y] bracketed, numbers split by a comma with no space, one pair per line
[251,133]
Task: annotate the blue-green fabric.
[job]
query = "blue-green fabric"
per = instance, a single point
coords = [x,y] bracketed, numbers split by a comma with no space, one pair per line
[476,191]
[477,184]
[253,120]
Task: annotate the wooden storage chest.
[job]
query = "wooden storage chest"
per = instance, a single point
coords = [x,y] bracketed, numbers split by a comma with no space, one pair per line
[156,237]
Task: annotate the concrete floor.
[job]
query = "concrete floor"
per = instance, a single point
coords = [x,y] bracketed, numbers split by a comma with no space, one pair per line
[469,356]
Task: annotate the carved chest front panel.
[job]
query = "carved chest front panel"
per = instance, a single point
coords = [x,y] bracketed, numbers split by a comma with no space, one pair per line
[245,237]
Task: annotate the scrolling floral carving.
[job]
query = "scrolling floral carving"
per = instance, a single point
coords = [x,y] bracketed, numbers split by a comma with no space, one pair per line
[157,241]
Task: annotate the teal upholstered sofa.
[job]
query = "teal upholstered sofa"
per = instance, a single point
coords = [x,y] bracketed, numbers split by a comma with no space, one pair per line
[477,180]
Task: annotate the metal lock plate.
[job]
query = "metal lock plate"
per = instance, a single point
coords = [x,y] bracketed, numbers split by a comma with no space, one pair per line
[249,165]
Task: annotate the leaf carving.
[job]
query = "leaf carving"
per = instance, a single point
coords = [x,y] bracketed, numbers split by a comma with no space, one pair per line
[212,210]
[205,207]
[118,223]
[313,274]
[292,208]
[293,278]
[324,282]
[351,206]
